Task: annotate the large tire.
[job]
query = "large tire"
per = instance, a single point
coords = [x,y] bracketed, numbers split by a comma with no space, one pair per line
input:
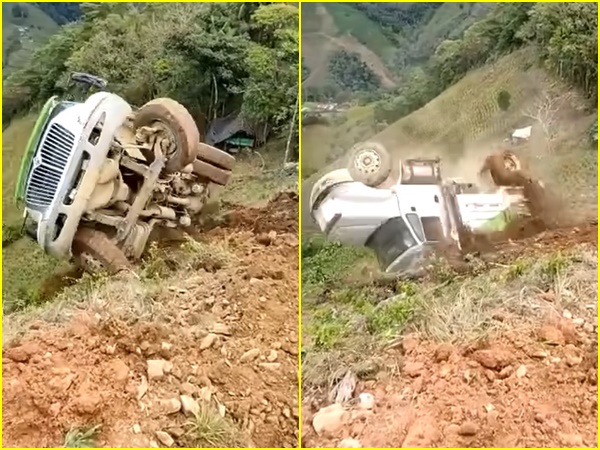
[179,122]
[370,163]
[211,173]
[504,173]
[94,252]
[214,156]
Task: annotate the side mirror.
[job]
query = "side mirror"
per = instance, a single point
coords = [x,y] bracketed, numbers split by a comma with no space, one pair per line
[90,80]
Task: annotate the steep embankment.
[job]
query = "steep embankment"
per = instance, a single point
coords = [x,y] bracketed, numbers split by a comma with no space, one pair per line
[199,348]
[500,352]
[501,355]
[465,123]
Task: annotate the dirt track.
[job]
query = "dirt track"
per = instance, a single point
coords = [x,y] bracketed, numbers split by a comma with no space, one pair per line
[228,334]
[531,386]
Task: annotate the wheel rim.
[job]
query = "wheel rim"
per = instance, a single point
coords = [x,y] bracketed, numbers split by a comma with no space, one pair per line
[510,163]
[165,139]
[367,161]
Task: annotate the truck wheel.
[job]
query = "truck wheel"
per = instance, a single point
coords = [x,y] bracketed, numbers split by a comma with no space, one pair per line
[370,163]
[176,125]
[211,173]
[94,252]
[512,162]
[214,156]
[506,169]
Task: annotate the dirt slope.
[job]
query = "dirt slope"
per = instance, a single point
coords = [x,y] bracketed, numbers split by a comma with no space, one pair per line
[224,335]
[529,386]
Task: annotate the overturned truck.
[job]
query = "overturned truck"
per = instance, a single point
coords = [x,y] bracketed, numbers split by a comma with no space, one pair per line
[405,210]
[98,175]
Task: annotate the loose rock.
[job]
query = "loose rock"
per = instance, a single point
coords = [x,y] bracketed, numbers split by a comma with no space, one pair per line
[189,405]
[250,355]
[330,419]
[208,341]
[349,443]
[366,401]
[443,352]
[413,369]
[495,358]
[120,370]
[468,429]
[157,368]
[220,328]
[551,335]
[165,438]
[22,353]
[521,371]
[170,406]
[272,356]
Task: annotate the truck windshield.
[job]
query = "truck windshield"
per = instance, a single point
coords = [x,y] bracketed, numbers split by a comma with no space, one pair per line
[390,240]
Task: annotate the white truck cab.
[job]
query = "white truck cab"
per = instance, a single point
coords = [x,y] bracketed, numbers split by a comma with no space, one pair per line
[403,224]
[400,223]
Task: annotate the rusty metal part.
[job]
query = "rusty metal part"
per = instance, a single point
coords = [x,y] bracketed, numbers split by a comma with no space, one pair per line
[151,176]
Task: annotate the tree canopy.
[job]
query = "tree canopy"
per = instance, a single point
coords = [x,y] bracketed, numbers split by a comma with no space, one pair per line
[215,58]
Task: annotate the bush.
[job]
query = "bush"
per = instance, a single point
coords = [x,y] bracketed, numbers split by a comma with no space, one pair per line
[503,100]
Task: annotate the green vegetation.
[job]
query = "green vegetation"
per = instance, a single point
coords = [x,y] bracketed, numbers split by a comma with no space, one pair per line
[351,311]
[456,100]
[437,45]
[26,266]
[350,20]
[61,12]
[214,58]
[468,103]
[209,430]
[351,73]
[25,27]
[82,437]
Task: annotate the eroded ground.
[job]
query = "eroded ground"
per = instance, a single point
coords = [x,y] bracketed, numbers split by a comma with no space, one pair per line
[203,354]
[526,378]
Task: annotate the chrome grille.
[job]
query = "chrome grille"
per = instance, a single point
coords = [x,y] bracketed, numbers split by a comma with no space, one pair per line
[45,177]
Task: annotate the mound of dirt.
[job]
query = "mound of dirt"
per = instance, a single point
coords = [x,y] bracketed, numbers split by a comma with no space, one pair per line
[524,388]
[228,341]
[280,214]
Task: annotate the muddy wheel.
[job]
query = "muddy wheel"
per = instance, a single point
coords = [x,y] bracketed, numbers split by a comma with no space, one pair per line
[176,129]
[512,162]
[211,173]
[94,252]
[370,163]
[214,156]
[506,169]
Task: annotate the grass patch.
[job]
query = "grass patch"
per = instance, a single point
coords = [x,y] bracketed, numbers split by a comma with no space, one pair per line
[323,261]
[209,430]
[25,266]
[82,437]
[257,176]
[347,321]
[351,21]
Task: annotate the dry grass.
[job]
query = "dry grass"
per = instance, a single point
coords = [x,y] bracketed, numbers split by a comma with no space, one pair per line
[208,429]
[446,306]
[145,294]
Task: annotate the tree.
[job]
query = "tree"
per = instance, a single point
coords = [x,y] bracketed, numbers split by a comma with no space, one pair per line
[350,72]
[503,100]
